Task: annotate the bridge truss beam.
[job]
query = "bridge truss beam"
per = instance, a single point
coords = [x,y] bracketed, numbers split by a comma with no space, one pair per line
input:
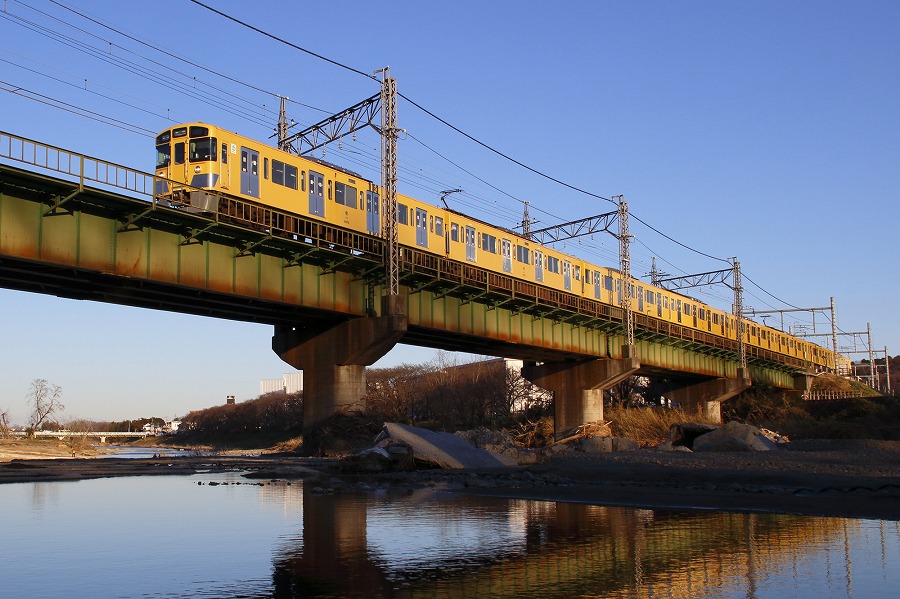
[342,124]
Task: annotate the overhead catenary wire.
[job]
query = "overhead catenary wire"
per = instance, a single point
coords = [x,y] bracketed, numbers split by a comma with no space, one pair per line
[424,183]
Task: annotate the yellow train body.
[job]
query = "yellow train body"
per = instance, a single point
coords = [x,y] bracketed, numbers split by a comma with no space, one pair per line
[202,156]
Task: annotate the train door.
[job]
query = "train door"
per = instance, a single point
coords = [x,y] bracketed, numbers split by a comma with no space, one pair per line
[373,217]
[640,296]
[659,305]
[506,253]
[598,282]
[539,266]
[470,244]
[249,172]
[678,309]
[179,164]
[421,228]
[618,292]
[316,194]
[567,275]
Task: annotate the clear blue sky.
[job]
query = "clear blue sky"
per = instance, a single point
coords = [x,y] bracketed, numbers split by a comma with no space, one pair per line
[768,131]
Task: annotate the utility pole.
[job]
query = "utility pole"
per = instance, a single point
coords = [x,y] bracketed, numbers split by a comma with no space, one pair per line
[625,263]
[526,223]
[739,314]
[282,129]
[834,342]
[887,370]
[389,178]
[873,371]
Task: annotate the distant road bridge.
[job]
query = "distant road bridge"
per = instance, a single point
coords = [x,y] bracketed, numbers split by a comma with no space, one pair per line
[83,228]
[102,435]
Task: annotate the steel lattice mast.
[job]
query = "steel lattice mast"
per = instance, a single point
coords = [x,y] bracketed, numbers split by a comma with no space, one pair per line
[625,260]
[389,178]
[739,313]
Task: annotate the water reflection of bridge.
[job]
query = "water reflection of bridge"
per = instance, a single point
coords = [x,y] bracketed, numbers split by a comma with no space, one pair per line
[548,549]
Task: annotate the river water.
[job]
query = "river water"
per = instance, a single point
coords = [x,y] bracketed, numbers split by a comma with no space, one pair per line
[219,535]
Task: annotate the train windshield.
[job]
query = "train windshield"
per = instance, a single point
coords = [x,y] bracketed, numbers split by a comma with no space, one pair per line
[203,149]
[163,155]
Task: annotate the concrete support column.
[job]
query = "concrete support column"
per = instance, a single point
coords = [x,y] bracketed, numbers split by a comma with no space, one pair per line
[578,388]
[709,395]
[802,385]
[334,361]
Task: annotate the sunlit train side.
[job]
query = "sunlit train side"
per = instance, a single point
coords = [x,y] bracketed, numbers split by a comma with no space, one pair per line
[205,157]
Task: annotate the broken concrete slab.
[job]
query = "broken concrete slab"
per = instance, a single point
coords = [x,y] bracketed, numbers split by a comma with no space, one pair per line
[444,449]
[734,436]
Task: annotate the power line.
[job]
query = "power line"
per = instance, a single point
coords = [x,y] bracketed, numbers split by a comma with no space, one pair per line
[72,108]
[281,40]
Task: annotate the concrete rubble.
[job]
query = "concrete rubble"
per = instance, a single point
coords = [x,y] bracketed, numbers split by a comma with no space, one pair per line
[400,446]
[732,436]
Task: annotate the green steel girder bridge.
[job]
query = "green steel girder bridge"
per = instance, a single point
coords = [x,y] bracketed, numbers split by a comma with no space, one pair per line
[84,228]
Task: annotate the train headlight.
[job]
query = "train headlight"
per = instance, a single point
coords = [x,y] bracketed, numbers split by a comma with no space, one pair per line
[196,169]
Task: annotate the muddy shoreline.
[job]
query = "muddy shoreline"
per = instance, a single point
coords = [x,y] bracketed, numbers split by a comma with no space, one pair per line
[855,479]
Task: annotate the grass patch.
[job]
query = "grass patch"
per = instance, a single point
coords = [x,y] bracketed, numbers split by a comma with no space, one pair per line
[648,426]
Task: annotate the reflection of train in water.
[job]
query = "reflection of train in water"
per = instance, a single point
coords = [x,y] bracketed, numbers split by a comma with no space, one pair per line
[263,185]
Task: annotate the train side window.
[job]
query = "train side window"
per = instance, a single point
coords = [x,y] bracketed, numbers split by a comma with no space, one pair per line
[179,153]
[265,168]
[402,214]
[439,226]
[344,195]
[329,190]
[302,180]
[454,232]
[224,153]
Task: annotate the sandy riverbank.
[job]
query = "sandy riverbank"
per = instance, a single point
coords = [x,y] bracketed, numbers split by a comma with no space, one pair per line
[859,479]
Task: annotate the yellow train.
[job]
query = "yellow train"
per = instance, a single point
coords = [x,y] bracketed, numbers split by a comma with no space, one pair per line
[280,184]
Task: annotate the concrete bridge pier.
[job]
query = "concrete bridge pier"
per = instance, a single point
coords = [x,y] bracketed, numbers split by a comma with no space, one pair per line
[578,387]
[334,361]
[709,395]
[802,385]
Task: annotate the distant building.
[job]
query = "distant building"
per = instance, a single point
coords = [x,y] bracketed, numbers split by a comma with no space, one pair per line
[290,382]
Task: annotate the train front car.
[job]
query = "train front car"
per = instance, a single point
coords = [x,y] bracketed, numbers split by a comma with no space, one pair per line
[190,160]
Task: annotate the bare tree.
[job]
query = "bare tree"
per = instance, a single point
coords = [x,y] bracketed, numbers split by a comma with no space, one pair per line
[45,402]
[4,424]
[79,430]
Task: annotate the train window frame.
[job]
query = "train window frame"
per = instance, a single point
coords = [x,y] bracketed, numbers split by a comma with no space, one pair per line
[224,153]
[439,226]
[347,194]
[522,254]
[163,155]
[330,196]
[553,264]
[302,180]
[454,232]
[402,214]
[488,242]
[265,168]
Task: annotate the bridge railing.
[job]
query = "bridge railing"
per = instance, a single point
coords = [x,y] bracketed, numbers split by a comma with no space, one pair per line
[83,168]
